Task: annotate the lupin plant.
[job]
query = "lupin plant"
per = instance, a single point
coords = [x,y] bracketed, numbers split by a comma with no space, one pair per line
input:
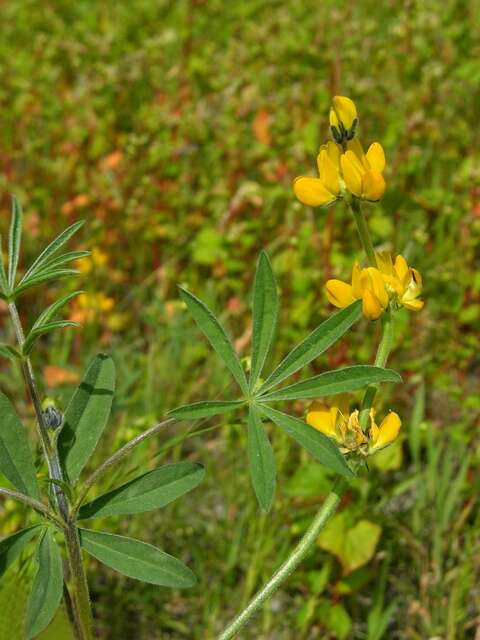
[336,436]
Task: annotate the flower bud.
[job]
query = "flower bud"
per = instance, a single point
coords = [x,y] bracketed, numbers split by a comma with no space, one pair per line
[343,119]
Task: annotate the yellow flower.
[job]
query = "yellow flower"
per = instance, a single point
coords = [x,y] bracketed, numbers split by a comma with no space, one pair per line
[367,285]
[343,119]
[321,191]
[336,422]
[97,258]
[403,283]
[362,173]
[386,433]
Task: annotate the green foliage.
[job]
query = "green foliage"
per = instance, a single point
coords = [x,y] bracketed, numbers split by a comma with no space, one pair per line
[136,559]
[14,240]
[11,547]
[47,588]
[16,460]
[205,409]
[86,416]
[149,491]
[261,460]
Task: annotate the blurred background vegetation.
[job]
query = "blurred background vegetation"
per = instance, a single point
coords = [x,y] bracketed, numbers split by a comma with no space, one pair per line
[175,129]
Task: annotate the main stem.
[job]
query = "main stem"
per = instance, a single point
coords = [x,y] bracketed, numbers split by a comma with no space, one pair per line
[363,232]
[80,597]
[327,509]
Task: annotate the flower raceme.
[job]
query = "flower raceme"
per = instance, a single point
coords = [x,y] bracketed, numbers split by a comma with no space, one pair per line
[338,423]
[343,119]
[392,282]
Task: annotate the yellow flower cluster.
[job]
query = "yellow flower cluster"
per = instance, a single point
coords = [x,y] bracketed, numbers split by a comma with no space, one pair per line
[336,422]
[345,170]
[393,282]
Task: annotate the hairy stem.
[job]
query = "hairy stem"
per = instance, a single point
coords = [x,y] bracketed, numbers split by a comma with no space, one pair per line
[308,541]
[33,504]
[363,232]
[79,587]
[116,457]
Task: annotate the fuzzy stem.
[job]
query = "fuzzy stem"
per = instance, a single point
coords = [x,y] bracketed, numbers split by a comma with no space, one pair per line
[363,231]
[36,505]
[307,542]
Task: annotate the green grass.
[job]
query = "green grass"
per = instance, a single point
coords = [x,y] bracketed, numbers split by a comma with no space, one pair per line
[175,130]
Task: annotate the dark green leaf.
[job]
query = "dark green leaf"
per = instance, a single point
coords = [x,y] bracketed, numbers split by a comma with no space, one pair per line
[205,409]
[261,460]
[5,289]
[86,416]
[51,311]
[137,559]
[47,589]
[333,382]
[265,312]
[11,547]
[51,249]
[35,334]
[216,335]
[16,460]
[43,276]
[9,352]
[150,491]
[315,344]
[321,447]
[14,239]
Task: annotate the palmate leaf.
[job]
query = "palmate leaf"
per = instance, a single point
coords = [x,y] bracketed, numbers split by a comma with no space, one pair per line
[261,460]
[14,239]
[35,334]
[205,409]
[47,586]
[265,312]
[11,547]
[150,491]
[321,447]
[137,559]
[86,416]
[16,460]
[216,335]
[333,382]
[315,344]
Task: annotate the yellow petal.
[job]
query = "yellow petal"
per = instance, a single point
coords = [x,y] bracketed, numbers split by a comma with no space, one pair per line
[345,111]
[384,262]
[376,284]
[351,175]
[356,147]
[334,152]
[342,402]
[401,267]
[339,293]
[328,173]
[312,191]
[322,418]
[371,307]
[376,157]
[334,122]
[417,279]
[413,305]
[387,432]
[373,186]
[356,281]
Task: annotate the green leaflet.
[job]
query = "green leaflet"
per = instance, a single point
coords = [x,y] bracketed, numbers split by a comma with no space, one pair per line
[261,461]
[137,559]
[205,409]
[4,288]
[14,239]
[265,312]
[216,335]
[333,382]
[147,492]
[86,416]
[16,460]
[35,334]
[41,277]
[321,447]
[47,586]
[11,547]
[50,312]
[10,352]
[315,344]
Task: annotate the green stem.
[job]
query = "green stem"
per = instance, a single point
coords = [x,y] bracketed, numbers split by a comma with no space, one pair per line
[307,542]
[80,596]
[363,231]
[36,505]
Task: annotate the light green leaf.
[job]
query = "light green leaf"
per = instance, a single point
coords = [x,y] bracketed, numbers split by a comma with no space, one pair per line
[11,547]
[137,559]
[321,447]
[10,352]
[47,589]
[86,416]
[261,461]
[150,491]
[216,335]
[314,345]
[333,382]
[51,311]
[265,312]
[16,460]
[42,277]
[51,249]
[35,334]
[205,409]
[5,289]
[14,239]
